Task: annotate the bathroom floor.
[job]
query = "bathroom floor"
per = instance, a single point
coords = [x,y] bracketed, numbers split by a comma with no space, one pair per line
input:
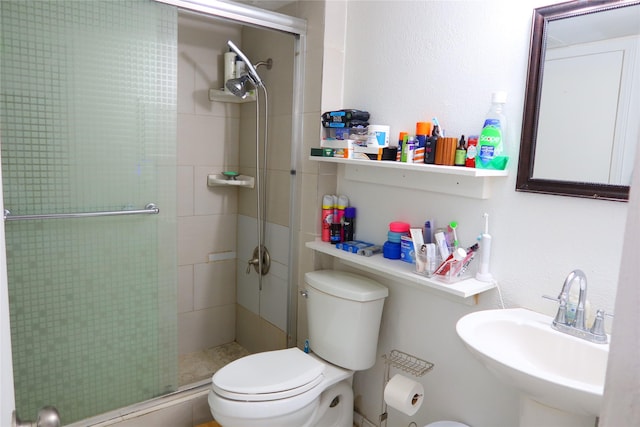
[202,364]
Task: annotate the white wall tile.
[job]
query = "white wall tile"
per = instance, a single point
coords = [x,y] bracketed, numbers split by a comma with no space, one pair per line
[273,298]
[278,197]
[247,288]
[205,140]
[248,329]
[310,204]
[279,156]
[277,241]
[206,328]
[185,288]
[186,85]
[214,284]
[213,200]
[198,236]
[185,191]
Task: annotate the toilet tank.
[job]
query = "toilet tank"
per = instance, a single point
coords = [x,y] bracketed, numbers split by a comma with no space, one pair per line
[344,311]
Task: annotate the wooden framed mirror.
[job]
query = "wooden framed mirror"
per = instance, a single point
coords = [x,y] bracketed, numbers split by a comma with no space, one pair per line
[581,122]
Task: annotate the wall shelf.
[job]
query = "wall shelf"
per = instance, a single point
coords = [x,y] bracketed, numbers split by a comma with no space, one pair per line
[222,96]
[403,271]
[456,180]
[218,180]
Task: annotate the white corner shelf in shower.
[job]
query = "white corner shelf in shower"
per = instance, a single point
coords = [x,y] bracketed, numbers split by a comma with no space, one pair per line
[219,180]
[400,270]
[222,96]
[455,180]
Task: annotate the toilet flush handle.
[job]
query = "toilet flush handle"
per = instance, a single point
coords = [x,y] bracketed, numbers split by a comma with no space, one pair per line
[304,293]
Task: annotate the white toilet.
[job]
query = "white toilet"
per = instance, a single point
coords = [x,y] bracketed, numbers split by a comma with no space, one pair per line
[290,388]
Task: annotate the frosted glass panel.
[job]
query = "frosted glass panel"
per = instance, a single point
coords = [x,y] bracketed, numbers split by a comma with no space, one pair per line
[88,117]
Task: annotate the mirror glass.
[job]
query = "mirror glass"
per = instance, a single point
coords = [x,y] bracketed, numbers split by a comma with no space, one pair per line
[581,121]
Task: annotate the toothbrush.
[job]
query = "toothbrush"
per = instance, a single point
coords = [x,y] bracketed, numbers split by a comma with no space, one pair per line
[483,273]
[453,225]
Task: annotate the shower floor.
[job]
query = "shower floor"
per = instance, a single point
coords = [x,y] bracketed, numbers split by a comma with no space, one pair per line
[201,365]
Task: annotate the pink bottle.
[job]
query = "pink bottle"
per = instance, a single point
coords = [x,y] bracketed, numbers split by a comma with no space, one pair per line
[327,217]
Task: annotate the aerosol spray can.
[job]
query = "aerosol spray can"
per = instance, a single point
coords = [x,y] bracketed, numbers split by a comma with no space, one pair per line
[327,217]
[343,202]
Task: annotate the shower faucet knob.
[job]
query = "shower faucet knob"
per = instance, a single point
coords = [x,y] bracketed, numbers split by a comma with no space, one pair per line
[250,263]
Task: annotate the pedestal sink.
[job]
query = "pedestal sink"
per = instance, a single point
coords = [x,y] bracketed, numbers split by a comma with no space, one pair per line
[552,368]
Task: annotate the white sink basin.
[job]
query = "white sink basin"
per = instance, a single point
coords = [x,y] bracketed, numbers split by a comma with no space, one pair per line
[550,367]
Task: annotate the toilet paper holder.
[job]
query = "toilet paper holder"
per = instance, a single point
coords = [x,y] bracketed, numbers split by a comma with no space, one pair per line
[405,362]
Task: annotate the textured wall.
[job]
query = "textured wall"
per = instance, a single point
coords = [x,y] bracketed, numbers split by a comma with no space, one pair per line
[411,61]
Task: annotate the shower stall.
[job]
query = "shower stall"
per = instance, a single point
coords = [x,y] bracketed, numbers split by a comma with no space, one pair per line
[126,271]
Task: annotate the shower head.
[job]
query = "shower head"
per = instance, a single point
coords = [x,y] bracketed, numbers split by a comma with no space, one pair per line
[238,86]
[253,74]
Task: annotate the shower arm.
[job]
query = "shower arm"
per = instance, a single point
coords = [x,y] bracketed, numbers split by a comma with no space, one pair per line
[268,63]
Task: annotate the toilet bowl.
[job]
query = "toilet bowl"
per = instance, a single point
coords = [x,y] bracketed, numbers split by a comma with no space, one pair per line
[291,388]
[287,388]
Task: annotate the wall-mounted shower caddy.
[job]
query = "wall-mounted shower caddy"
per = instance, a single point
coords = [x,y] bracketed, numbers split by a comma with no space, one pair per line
[220,95]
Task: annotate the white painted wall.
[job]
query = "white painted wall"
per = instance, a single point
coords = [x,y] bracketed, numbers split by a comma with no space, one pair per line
[408,61]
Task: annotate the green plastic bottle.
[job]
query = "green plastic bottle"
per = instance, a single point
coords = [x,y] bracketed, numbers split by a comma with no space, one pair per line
[491,152]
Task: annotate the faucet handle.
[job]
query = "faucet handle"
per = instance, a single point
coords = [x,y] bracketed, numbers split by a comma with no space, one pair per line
[598,324]
[561,315]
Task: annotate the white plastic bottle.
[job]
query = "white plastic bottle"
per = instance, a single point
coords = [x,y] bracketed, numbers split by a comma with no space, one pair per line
[240,68]
[229,69]
[491,152]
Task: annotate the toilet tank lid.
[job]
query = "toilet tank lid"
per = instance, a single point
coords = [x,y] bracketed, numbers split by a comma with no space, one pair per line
[346,285]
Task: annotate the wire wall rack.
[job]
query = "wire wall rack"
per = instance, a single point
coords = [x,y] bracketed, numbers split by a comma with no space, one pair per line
[407,363]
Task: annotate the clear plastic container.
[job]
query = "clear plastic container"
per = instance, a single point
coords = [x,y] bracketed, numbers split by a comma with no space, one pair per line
[451,271]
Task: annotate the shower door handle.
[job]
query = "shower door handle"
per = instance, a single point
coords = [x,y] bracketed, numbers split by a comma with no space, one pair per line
[47,417]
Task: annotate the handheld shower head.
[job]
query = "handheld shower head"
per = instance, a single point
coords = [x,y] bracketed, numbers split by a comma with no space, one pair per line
[253,74]
[238,86]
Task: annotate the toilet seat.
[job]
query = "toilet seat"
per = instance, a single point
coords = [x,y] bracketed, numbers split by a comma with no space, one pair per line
[446,424]
[268,376]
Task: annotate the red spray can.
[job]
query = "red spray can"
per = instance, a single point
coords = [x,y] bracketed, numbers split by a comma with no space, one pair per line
[327,217]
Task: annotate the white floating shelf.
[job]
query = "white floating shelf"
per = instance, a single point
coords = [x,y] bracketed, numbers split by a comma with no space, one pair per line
[219,180]
[422,167]
[221,96]
[403,271]
[457,180]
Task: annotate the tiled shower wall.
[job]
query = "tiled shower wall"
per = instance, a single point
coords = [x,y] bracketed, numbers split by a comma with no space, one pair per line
[261,316]
[214,137]
[207,217]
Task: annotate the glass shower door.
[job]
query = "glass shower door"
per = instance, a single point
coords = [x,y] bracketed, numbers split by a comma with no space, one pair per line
[87,124]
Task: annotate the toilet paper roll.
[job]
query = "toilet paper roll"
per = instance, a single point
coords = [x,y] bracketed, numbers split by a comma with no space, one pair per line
[404,394]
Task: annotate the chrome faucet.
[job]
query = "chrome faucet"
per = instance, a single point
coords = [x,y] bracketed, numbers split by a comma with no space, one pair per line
[577,326]
[563,298]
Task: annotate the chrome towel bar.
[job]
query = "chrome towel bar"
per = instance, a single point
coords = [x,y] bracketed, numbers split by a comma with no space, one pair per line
[150,208]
